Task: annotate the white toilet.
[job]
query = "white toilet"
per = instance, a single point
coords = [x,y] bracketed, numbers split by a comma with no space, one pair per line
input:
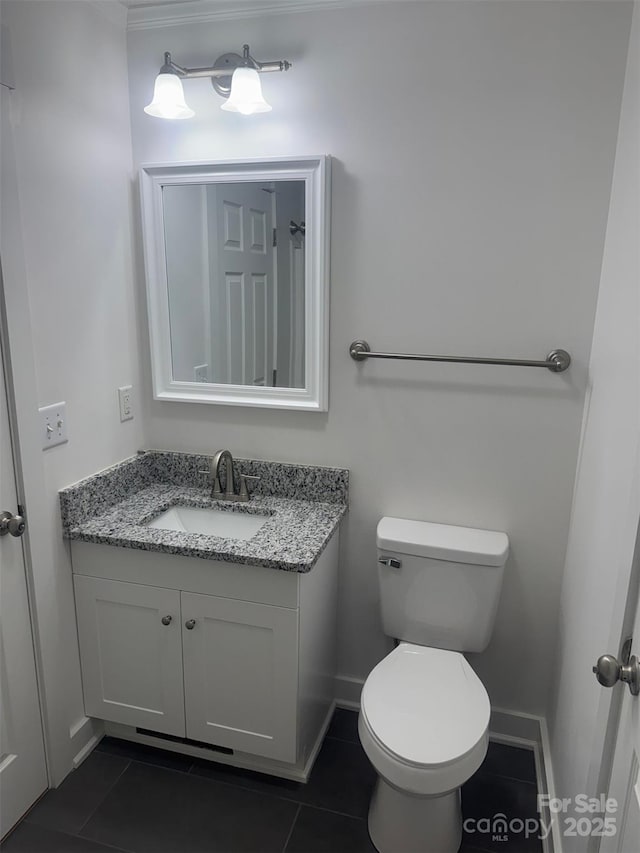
[424,714]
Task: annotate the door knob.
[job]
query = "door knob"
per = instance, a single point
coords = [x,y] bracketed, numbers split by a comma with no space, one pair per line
[13,524]
[190,624]
[166,620]
[609,671]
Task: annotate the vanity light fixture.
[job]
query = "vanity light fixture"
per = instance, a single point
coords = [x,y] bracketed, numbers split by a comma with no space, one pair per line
[236,78]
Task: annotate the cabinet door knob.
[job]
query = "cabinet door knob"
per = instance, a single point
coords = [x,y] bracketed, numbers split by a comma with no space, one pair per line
[190,624]
[166,620]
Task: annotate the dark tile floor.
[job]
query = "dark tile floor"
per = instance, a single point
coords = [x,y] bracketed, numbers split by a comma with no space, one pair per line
[136,799]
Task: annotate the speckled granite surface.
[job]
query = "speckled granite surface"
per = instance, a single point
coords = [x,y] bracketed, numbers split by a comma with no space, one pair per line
[304,505]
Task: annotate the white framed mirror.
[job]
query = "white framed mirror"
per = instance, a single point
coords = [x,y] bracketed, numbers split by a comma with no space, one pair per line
[237,273]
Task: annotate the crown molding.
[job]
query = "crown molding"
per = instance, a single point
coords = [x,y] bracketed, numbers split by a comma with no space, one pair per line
[143,16]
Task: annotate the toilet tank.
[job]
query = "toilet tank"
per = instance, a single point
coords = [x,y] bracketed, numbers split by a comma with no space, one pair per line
[445,591]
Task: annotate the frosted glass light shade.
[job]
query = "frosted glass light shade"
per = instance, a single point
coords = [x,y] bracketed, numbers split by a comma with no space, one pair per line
[246,93]
[168,98]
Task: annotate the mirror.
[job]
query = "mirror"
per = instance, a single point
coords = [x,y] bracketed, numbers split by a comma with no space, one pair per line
[236,258]
[235,282]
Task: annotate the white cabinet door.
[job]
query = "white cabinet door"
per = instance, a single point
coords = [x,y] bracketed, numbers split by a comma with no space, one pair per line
[241,674]
[131,653]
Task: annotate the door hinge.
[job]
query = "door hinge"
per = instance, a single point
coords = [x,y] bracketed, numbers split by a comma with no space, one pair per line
[275,237]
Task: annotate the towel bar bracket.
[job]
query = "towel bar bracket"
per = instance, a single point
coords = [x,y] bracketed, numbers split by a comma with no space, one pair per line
[557,361]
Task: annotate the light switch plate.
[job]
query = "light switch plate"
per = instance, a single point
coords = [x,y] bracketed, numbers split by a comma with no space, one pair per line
[53,421]
[125,397]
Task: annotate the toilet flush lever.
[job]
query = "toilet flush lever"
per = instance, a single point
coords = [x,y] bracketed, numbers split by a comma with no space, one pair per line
[392,562]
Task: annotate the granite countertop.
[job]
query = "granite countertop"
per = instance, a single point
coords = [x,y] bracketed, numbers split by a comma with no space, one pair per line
[114,507]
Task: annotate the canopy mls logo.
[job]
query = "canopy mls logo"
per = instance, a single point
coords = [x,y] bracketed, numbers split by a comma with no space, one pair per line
[501,828]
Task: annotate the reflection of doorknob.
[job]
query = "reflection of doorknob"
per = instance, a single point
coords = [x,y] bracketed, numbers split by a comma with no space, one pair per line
[609,671]
[13,524]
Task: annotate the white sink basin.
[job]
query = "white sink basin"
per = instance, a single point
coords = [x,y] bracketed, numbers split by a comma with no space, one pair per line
[212,522]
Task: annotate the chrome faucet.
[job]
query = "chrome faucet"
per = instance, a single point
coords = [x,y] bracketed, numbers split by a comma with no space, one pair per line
[229,493]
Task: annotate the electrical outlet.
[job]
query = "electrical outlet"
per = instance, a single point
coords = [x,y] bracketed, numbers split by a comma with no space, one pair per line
[201,373]
[125,397]
[53,421]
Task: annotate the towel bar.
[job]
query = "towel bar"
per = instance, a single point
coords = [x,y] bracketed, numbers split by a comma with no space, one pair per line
[557,361]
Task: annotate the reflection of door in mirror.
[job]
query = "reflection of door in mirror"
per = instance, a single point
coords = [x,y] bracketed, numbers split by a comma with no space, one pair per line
[240,221]
[236,282]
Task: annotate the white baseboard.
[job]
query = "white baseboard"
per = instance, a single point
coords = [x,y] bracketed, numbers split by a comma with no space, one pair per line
[86,750]
[318,744]
[545,771]
[85,734]
[348,690]
[77,728]
[515,727]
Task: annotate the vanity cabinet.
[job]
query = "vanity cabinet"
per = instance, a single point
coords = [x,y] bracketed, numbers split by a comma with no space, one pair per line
[249,670]
[237,659]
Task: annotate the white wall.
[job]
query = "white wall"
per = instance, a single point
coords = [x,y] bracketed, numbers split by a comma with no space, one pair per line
[473,146]
[67,259]
[605,515]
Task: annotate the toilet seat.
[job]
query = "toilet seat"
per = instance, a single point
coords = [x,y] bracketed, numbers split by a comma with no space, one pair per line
[424,719]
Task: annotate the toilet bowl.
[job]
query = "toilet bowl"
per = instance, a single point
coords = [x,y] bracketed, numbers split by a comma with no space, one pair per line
[424,714]
[424,744]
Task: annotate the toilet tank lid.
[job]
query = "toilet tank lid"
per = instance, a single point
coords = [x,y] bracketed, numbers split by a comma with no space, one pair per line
[443,541]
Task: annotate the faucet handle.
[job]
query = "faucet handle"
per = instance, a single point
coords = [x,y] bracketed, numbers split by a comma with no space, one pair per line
[244,492]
